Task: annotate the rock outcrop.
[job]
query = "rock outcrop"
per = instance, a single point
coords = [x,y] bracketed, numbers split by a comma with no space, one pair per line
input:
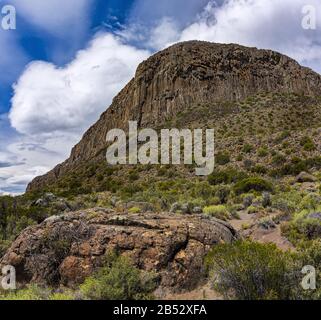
[65,249]
[182,77]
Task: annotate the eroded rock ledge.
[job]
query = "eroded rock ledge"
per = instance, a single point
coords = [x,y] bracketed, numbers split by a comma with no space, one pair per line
[63,250]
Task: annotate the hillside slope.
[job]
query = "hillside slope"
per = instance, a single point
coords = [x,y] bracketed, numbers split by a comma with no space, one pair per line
[191,76]
[87,222]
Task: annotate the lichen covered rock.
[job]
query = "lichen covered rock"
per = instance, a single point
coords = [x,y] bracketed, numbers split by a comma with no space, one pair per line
[67,249]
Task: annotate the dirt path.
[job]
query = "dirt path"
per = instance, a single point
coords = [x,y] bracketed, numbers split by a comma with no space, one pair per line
[248,227]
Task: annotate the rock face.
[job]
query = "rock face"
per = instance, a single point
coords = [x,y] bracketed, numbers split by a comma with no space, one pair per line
[183,77]
[63,250]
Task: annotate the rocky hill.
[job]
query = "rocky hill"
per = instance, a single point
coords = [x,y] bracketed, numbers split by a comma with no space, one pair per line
[187,77]
[173,225]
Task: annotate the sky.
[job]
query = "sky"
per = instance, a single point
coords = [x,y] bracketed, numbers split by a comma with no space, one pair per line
[66,60]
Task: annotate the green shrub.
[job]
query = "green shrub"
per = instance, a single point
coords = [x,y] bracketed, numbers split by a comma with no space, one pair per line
[223,193]
[310,202]
[306,225]
[118,280]
[295,167]
[214,201]
[247,199]
[284,135]
[253,209]
[202,190]
[218,212]
[162,171]
[31,292]
[313,162]
[252,184]
[259,169]
[133,176]
[287,202]
[263,152]
[307,144]
[64,296]
[247,270]
[222,159]
[134,210]
[247,148]
[305,140]
[310,146]
[234,211]
[248,164]
[266,223]
[131,189]
[278,159]
[34,292]
[227,176]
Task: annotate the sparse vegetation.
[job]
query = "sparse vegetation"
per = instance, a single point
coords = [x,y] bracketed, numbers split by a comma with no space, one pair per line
[247,148]
[252,184]
[219,212]
[222,159]
[263,148]
[118,280]
[307,144]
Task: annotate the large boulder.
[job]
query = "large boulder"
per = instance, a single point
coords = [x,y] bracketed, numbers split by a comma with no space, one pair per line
[64,250]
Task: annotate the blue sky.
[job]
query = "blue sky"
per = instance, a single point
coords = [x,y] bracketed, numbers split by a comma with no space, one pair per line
[66,60]
[37,44]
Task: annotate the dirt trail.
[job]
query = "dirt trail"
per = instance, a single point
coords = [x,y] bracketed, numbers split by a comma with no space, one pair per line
[248,227]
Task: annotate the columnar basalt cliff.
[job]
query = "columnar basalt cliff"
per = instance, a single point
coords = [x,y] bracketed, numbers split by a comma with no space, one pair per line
[182,77]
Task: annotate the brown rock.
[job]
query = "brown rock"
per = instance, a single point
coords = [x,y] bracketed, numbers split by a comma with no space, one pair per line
[74,270]
[65,251]
[184,76]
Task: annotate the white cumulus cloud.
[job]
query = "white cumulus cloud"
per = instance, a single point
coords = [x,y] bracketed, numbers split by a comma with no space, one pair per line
[49,99]
[52,107]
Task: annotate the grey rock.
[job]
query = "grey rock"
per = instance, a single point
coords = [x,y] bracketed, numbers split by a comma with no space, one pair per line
[114,201]
[41,203]
[197,210]
[186,208]
[53,219]
[175,207]
[49,196]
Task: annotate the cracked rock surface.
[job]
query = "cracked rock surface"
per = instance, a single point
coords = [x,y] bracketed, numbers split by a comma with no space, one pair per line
[64,250]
